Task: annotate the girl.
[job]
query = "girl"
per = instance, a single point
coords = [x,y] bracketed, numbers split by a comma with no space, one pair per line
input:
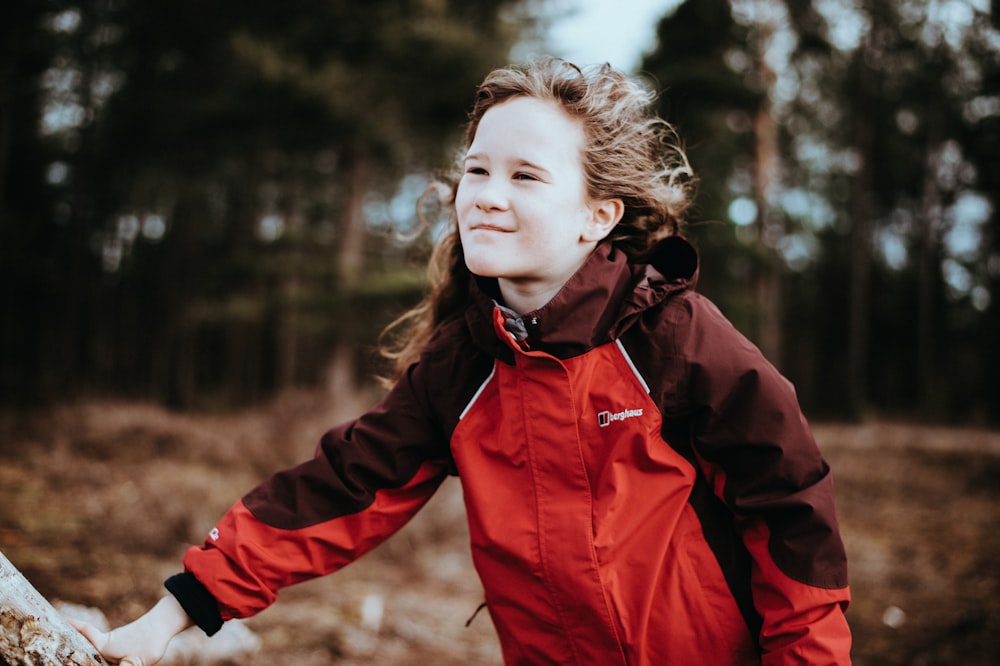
[641,486]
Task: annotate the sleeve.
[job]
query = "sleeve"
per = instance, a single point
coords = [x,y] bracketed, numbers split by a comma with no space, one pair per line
[758,454]
[368,478]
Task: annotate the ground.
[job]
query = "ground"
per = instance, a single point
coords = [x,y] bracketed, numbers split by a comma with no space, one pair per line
[98,501]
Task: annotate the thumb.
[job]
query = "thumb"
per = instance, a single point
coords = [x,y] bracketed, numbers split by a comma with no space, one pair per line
[100,640]
[90,632]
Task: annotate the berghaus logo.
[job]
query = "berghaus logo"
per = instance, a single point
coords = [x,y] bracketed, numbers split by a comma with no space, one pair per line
[604,419]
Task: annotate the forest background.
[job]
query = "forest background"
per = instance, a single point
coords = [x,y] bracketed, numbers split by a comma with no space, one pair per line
[203,205]
[208,213]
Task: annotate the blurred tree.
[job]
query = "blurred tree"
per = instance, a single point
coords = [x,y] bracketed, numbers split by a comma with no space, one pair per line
[918,69]
[24,54]
[212,167]
[716,62]
[982,116]
[705,62]
[849,147]
[193,197]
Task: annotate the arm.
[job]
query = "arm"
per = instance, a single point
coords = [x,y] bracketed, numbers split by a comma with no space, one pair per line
[367,479]
[755,448]
[246,559]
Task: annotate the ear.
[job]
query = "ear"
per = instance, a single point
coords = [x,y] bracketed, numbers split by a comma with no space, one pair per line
[603,218]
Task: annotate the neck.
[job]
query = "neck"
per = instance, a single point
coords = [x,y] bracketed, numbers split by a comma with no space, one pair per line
[524,297]
[526,294]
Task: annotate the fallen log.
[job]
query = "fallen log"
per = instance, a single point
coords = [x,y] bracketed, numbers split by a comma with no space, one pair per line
[32,632]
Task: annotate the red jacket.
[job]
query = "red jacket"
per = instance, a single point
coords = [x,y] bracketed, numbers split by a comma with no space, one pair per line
[641,485]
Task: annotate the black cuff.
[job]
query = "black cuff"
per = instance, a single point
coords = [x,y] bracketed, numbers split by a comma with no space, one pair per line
[196,601]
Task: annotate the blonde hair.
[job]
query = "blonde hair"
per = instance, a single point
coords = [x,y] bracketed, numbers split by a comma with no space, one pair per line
[630,154]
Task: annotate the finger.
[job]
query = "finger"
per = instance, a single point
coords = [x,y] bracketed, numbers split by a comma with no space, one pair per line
[89,631]
[98,638]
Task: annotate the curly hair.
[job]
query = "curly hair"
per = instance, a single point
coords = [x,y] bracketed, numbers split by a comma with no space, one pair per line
[630,154]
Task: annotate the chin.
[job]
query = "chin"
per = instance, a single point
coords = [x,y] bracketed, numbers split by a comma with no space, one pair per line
[483,264]
[483,269]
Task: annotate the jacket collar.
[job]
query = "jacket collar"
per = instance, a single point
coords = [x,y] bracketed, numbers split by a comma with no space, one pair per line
[595,306]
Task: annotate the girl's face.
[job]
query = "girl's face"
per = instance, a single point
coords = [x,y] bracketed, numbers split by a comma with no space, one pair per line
[524,216]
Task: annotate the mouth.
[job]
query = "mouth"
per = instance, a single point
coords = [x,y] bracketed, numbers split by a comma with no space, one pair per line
[489,227]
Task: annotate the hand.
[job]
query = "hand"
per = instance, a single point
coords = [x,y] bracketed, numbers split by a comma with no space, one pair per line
[142,642]
[113,645]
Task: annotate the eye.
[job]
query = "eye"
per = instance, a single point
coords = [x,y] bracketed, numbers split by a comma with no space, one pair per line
[524,176]
[476,171]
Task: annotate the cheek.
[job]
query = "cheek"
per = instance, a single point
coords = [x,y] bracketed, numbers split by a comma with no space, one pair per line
[463,199]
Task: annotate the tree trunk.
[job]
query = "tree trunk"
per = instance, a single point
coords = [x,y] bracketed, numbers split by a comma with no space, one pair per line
[32,633]
[768,278]
[14,40]
[350,255]
[861,241]
[927,272]
[242,325]
[290,285]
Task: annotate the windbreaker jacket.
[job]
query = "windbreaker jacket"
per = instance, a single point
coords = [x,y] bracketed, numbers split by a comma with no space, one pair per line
[641,486]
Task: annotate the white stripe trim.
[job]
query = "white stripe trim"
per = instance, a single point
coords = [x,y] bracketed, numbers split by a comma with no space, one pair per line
[475,396]
[635,370]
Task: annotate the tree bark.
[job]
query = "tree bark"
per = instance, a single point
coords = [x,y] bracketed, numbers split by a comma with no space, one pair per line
[32,633]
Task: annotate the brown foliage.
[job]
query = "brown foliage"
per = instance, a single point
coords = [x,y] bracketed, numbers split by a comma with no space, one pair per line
[98,502]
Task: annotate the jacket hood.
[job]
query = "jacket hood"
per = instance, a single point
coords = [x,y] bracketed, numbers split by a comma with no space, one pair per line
[596,305]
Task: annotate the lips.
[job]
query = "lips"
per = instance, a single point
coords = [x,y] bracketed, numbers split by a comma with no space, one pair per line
[489,227]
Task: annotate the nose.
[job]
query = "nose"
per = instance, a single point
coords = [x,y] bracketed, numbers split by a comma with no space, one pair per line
[490,195]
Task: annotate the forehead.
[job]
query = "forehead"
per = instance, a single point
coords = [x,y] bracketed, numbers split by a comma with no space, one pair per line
[531,124]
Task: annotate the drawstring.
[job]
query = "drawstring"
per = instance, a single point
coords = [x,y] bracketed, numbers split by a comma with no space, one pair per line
[479,608]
